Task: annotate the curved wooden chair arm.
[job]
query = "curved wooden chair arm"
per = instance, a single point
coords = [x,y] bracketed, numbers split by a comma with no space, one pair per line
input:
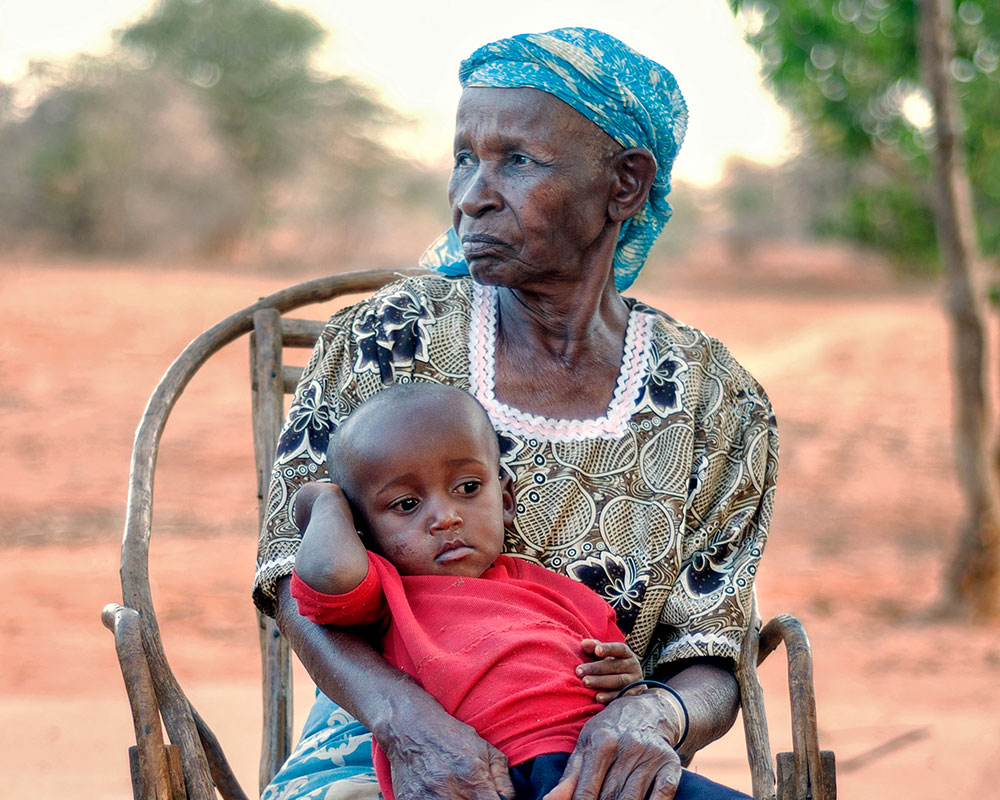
[150,755]
[806,772]
[179,718]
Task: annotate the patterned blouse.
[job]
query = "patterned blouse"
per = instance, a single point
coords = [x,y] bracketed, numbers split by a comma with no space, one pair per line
[661,506]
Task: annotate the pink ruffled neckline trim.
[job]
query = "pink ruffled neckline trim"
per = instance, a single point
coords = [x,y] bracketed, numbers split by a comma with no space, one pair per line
[482,368]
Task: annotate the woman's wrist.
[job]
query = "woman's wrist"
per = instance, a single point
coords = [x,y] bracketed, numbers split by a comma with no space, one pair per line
[406,709]
[678,709]
[683,719]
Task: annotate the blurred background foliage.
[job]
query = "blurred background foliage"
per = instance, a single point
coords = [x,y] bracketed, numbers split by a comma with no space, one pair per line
[847,70]
[207,132]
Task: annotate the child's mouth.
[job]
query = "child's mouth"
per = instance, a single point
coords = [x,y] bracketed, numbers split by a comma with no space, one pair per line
[453,551]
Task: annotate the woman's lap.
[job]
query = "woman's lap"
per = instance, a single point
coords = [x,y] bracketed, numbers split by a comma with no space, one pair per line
[335,751]
[333,761]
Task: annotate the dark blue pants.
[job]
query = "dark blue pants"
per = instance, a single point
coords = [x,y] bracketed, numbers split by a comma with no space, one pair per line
[534,778]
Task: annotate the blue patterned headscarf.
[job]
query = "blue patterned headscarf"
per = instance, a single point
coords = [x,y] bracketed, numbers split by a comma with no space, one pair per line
[634,99]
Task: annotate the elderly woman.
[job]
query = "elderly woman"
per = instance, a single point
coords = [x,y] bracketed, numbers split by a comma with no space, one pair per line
[644,456]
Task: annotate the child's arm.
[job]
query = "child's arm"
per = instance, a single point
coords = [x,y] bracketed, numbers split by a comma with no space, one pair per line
[615,667]
[331,557]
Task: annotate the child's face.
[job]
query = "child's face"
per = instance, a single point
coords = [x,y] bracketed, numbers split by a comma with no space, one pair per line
[427,483]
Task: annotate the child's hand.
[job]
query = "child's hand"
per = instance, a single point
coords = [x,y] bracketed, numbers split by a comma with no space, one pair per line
[331,557]
[615,668]
[306,497]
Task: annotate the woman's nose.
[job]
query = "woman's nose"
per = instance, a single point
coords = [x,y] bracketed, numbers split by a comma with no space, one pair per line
[477,193]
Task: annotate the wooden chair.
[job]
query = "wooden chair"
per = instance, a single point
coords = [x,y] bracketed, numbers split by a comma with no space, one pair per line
[193,766]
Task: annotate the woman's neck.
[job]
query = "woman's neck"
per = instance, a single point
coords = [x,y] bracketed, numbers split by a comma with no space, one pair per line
[560,328]
[559,353]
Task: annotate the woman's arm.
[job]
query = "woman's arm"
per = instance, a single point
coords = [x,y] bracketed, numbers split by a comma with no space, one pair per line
[626,751]
[432,754]
[712,697]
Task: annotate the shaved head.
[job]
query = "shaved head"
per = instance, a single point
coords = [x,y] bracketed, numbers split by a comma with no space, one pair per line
[422,406]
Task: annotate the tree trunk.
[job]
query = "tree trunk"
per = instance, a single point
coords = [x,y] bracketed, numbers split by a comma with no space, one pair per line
[972,582]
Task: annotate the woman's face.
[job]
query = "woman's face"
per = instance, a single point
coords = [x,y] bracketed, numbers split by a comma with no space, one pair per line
[530,188]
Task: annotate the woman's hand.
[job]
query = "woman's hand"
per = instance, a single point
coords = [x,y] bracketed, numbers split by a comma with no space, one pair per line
[444,758]
[615,667]
[625,753]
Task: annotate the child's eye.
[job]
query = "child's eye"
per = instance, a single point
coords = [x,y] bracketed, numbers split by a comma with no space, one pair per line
[406,504]
[469,487]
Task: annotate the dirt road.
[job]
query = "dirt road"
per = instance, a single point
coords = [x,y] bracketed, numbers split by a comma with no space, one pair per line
[867,509]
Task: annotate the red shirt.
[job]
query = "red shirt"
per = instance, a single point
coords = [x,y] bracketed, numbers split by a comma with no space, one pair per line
[498,651]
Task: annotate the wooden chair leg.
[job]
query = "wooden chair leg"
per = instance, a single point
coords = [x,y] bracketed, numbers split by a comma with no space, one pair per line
[787,779]
[754,718]
[172,754]
[175,767]
[268,388]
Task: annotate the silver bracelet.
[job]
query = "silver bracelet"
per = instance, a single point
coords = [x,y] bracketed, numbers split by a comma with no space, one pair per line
[685,718]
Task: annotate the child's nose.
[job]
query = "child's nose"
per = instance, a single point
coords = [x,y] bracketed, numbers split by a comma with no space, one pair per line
[446,519]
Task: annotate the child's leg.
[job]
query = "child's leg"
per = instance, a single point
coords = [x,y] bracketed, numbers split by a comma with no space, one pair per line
[697,787]
[534,778]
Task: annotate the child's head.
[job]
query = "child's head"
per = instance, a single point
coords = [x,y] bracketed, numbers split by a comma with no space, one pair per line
[420,464]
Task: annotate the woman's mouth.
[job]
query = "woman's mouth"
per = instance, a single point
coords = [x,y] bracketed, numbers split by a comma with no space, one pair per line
[478,245]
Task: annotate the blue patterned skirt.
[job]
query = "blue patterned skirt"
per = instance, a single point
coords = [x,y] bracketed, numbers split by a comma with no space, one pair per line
[334,748]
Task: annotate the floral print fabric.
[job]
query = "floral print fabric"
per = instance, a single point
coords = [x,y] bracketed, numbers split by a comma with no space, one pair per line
[661,506]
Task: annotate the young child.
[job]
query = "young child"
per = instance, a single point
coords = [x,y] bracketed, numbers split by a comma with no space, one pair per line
[498,641]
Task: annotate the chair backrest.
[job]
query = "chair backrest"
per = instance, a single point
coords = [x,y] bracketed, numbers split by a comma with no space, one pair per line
[202,761]
[193,766]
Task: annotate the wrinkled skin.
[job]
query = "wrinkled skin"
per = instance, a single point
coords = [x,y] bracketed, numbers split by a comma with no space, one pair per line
[475,769]
[538,196]
[624,752]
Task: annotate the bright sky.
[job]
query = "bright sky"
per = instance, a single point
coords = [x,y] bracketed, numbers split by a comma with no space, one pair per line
[410,51]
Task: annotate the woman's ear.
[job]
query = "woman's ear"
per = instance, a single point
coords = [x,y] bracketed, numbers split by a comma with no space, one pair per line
[507,495]
[635,171]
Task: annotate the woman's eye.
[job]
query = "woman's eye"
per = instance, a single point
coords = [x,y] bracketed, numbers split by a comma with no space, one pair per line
[519,160]
[463,160]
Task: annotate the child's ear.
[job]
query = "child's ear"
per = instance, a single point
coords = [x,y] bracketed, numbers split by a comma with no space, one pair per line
[507,493]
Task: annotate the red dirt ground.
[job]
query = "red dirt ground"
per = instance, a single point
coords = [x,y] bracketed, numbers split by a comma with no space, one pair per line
[867,513]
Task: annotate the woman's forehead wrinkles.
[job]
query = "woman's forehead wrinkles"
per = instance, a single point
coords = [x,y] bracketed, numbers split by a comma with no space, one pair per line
[503,139]
[505,121]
